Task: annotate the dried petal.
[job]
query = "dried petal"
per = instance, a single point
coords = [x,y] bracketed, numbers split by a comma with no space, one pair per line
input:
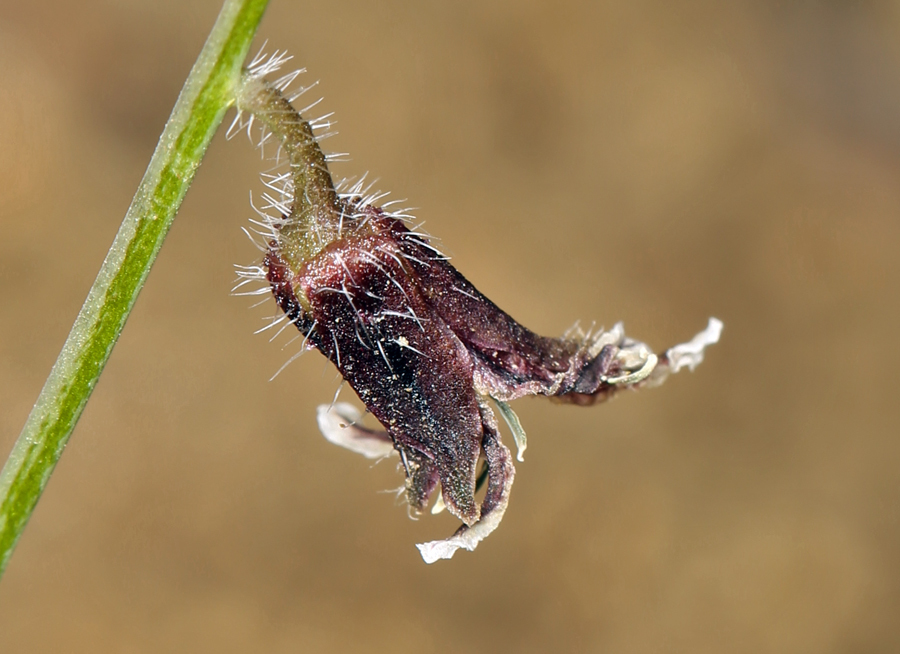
[501,474]
[338,424]
[690,354]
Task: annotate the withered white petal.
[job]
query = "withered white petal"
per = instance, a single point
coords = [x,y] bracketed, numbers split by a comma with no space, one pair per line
[466,538]
[690,354]
[338,424]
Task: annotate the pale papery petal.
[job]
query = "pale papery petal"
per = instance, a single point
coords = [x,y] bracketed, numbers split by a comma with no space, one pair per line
[690,354]
[466,538]
[338,423]
[501,475]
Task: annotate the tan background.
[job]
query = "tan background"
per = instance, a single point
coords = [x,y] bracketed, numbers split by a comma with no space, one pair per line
[656,162]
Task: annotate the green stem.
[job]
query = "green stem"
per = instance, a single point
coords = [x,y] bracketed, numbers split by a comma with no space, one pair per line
[208,92]
[315,214]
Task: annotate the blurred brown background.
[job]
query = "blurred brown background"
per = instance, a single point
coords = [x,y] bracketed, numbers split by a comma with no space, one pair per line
[655,162]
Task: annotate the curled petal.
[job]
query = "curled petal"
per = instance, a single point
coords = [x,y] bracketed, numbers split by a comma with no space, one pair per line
[690,354]
[500,478]
[466,538]
[338,424]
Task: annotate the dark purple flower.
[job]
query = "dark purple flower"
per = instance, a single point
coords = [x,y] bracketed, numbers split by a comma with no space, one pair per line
[424,350]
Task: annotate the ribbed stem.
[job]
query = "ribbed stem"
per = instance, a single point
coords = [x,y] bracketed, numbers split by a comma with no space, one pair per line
[207,93]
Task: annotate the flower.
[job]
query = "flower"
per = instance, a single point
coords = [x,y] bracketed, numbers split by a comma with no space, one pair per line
[424,350]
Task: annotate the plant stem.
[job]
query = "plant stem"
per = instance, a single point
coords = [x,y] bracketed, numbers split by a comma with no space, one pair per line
[207,93]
